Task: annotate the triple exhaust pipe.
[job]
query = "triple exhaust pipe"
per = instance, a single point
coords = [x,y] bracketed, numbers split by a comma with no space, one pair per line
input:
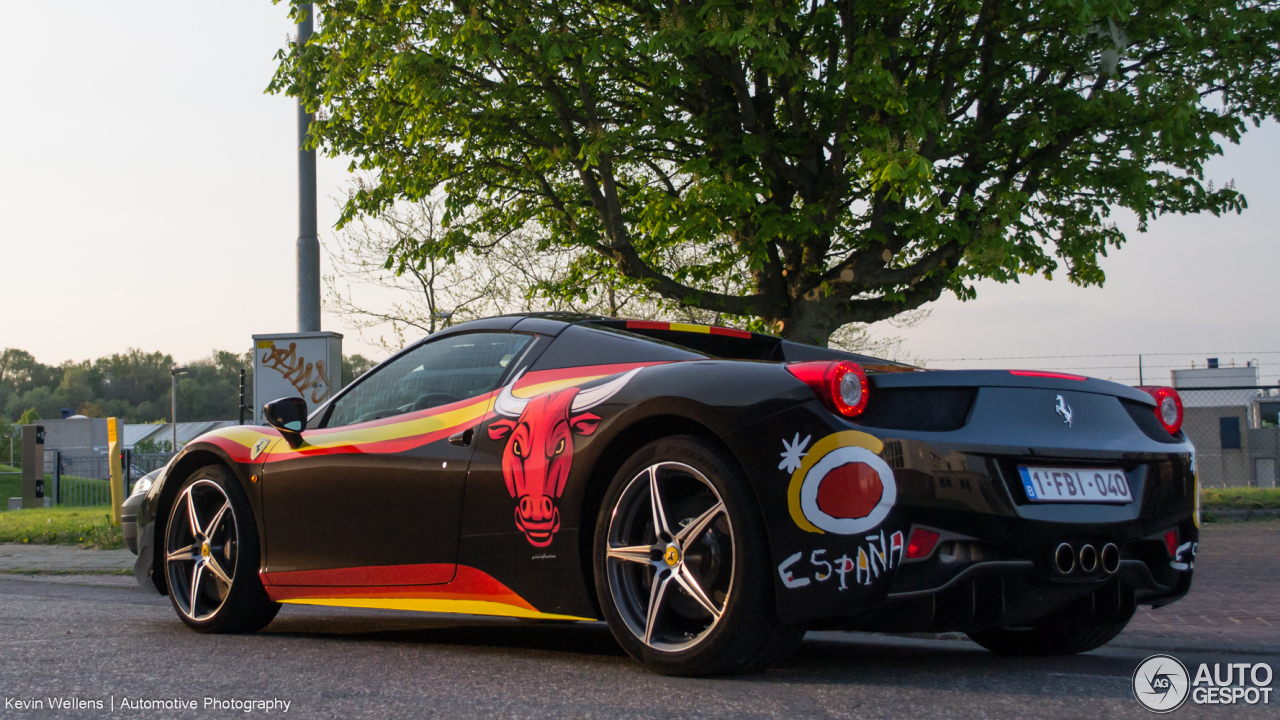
[1067,560]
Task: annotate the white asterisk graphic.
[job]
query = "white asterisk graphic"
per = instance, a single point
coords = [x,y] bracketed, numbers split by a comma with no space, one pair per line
[792,452]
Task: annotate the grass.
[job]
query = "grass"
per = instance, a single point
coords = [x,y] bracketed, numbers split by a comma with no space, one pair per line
[10,485]
[72,486]
[1241,498]
[88,527]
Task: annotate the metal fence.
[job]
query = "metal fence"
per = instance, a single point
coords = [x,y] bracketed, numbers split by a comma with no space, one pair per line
[140,464]
[1236,431]
[79,480]
[85,480]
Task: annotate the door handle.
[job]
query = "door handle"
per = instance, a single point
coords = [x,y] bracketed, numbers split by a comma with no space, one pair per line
[463,438]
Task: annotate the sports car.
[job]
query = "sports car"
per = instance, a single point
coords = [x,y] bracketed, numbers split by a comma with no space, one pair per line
[710,493]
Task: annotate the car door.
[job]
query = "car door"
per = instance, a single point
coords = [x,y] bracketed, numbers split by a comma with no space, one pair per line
[373,497]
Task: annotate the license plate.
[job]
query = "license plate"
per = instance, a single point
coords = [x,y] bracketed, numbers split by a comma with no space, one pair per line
[1051,484]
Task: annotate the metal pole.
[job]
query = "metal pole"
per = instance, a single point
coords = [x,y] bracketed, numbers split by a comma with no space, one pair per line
[173,399]
[308,241]
[1140,371]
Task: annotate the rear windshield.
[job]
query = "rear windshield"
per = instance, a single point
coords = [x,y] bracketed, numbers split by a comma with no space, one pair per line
[736,346]
[582,345]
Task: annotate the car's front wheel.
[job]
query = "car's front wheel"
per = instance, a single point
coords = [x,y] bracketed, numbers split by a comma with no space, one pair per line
[211,554]
[681,564]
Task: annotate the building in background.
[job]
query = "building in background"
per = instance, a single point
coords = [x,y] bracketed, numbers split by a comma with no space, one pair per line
[162,434]
[1232,420]
[76,435]
[82,442]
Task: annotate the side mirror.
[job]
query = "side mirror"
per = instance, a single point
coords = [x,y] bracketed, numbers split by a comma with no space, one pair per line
[289,416]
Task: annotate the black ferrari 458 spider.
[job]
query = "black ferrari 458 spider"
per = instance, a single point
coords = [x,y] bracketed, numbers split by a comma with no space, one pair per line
[710,493]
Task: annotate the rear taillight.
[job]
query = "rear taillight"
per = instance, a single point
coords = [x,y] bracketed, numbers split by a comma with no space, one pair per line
[840,385]
[921,543]
[1168,407]
[1171,542]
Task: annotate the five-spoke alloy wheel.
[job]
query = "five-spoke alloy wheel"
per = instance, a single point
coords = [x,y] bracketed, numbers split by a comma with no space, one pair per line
[200,553]
[671,579]
[681,563]
[211,556]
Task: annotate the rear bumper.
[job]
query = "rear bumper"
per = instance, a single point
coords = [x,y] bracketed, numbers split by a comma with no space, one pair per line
[966,486]
[1010,594]
[1003,572]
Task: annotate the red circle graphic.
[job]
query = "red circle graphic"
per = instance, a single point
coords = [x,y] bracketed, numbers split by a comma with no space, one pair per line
[850,491]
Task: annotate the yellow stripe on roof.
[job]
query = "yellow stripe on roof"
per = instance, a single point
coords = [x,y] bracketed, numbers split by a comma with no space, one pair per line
[686,327]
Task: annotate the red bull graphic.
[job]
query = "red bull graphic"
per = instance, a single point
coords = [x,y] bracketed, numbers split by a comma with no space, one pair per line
[539,451]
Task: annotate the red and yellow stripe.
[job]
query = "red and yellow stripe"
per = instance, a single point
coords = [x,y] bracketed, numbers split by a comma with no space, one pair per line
[399,433]
[687,327]
[458,589]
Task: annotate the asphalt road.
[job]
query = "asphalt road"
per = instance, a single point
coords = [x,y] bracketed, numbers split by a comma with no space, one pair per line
[111,643]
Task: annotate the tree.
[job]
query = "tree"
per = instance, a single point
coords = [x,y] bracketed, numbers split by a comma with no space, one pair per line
[840,162]
[135,376]
[518,273]
[353,366]
[20,372]
[77,387]
[513,275]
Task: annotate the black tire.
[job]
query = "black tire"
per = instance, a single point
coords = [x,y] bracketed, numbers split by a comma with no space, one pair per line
[731,625]
[221,545]
[1051,638]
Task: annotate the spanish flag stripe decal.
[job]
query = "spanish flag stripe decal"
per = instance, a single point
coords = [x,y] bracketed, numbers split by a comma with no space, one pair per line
[687,327]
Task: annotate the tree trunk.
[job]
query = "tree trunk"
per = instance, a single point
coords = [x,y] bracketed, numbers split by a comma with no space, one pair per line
[810,322]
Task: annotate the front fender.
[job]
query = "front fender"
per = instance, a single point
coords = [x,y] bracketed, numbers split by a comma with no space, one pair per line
[231,447]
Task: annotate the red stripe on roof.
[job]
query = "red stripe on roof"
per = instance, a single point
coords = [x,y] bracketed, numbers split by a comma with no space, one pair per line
[648,325]
[730,332]
[1047,374]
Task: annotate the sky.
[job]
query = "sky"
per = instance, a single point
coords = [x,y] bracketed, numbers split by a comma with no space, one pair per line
[148,199]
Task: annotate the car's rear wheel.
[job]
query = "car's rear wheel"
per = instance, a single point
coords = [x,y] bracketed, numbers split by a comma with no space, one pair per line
[1052,637]
[211,554]
[681,564]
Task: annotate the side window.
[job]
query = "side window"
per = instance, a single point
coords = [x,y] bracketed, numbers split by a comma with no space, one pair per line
[436,373]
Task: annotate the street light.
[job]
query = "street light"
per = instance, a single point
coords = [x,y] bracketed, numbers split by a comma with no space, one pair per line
[173,399]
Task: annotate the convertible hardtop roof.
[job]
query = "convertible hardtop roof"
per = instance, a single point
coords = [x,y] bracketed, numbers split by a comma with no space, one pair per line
[713,340]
